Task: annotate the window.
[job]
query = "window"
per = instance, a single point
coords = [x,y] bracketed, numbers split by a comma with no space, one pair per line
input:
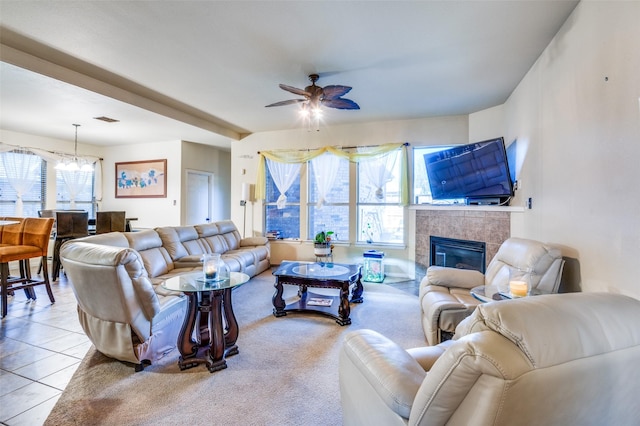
[75,190]
[285,221]
[25,173]
[380,215]
[421,189]
[324,184]
[332,173]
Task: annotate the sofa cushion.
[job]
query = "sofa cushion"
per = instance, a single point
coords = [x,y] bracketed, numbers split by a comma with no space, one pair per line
[155,257]
[170,236]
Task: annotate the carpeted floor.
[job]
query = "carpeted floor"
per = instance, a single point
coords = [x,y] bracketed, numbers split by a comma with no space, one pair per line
[286,372]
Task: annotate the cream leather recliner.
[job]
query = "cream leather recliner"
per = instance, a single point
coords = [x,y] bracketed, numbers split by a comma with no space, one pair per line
[123,312]
[445,296]
[558,359]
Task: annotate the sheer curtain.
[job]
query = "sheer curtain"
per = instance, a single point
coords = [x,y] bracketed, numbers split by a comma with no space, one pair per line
[378,170]
[21,168]
[325,171]
[283,174]
[75,182]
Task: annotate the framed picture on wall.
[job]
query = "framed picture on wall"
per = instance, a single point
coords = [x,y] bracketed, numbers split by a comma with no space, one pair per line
[141,179]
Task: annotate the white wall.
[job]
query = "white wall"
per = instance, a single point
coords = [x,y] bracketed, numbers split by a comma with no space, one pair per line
[212,160]
[151,212]
[577,114]
[169,211]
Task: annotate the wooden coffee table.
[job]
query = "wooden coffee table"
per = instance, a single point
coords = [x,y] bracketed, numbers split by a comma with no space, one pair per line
[318,275]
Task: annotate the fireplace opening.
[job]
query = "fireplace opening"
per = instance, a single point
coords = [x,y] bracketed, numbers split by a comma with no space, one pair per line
[461,254]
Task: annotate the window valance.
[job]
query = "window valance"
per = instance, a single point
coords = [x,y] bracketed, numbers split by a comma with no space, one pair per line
[297,156]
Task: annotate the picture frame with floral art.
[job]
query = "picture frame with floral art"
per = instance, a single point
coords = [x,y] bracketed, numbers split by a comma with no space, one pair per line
[141,179]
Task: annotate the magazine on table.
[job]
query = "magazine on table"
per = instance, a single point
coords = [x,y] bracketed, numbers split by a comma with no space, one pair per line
[319,301]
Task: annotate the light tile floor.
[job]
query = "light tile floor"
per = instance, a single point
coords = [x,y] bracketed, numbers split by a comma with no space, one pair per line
[41,346]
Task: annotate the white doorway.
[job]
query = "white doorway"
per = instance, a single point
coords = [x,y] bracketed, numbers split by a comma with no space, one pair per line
[199,197]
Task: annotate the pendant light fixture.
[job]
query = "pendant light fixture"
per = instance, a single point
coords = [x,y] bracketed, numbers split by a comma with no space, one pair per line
[73,166]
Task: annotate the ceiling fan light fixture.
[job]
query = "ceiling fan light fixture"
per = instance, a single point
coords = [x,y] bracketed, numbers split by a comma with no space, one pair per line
[315,98]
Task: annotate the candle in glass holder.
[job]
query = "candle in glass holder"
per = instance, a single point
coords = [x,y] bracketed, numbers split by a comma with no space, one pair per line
[210,268]
[518,288]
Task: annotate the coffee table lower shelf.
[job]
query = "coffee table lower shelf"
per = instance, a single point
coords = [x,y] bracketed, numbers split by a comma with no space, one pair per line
[302,305]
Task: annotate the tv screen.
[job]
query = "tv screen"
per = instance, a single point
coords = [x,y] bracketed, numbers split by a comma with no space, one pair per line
[478,172]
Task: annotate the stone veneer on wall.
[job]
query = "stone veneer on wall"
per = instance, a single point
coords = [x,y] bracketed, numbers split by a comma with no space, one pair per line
[492,228]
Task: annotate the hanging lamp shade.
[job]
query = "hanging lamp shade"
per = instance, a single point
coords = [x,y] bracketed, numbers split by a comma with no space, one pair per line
[74,165]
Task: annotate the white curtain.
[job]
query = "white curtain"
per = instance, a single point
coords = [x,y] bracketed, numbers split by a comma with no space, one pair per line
[283,174]
[54,157]
[378,170]
[75,182]
[22,173]
[325,171]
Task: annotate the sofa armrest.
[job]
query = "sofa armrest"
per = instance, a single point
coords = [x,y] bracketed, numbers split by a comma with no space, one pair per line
[453,277]
[391,373]
[253,241]
[428,355]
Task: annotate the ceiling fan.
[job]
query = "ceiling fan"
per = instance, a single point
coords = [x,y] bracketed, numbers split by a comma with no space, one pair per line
[316,96]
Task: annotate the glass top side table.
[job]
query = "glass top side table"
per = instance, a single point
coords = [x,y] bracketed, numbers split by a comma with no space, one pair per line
[210,330]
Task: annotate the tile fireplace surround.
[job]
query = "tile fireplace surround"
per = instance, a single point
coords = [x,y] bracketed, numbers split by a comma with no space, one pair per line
[491,227]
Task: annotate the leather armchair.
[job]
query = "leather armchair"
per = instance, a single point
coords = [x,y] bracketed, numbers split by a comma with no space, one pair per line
[559,359]
[119,308]
[445,293]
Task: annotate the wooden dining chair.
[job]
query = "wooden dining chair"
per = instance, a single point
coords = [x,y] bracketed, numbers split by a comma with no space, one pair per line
[110,222]
[31,242]
[70,225]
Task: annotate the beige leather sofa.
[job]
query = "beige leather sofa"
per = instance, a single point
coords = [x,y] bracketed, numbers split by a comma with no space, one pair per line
[445,296]
[116,278]
[559,359]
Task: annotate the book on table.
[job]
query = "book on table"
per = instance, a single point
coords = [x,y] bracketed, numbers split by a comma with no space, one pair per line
[319,301]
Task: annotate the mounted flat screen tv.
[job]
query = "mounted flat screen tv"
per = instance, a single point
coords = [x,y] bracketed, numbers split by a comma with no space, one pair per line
[477,172]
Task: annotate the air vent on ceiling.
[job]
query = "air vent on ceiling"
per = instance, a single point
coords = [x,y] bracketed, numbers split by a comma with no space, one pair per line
[107,119]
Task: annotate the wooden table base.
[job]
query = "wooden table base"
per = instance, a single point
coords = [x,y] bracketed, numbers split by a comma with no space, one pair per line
[216,330]
[342,316]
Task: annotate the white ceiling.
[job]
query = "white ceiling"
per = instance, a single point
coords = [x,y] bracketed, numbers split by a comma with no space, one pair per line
[203,71]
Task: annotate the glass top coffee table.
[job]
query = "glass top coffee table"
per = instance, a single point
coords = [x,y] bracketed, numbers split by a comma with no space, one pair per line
[210,330]
[318,275]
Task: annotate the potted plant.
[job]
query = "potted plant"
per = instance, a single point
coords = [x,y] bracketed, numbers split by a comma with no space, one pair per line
[322,243]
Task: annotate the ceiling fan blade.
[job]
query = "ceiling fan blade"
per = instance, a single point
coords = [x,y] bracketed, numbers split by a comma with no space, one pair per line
[340,103]
[294,90]
[332,92]
[289,102]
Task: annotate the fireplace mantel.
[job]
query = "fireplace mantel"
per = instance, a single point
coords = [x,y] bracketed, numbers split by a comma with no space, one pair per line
[462,207]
